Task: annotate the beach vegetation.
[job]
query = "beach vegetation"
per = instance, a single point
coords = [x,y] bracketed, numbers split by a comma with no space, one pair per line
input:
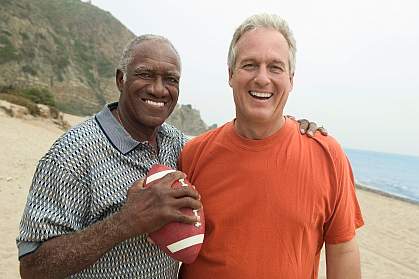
[34,94]
[38,95]
[21,101]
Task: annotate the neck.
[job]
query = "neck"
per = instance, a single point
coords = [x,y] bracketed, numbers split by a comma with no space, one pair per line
[257,130]
[138,132]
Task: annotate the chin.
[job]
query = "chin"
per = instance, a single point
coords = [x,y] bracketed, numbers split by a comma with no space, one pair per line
[261,117]
[155,124]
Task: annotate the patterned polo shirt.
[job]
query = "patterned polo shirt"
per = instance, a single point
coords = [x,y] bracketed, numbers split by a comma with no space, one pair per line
[83,179]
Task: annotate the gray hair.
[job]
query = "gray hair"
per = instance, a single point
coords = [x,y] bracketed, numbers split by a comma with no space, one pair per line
[270,21]
[128,53]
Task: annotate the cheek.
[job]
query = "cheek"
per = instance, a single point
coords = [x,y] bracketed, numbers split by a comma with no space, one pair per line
[174,93]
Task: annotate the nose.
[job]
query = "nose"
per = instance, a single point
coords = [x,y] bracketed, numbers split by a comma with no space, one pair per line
[157,88]
[262,77]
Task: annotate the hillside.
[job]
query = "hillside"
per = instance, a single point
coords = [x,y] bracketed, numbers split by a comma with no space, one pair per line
[70,48]
[67,46]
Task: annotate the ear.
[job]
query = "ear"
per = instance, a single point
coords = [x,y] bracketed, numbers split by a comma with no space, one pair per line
[119,78]
[230,76]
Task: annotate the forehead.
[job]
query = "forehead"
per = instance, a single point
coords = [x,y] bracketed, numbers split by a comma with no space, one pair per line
[262,43]
[157,55]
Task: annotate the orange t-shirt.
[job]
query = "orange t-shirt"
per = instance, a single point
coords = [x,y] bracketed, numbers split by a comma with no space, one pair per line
[269,204]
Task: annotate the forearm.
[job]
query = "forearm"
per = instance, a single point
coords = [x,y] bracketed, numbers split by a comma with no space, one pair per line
[65,255]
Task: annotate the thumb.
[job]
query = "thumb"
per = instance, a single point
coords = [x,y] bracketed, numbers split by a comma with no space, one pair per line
[139,184]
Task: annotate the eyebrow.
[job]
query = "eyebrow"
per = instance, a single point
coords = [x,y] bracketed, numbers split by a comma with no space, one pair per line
[152,70]
[143,68]
[276,61]
[279,62]
[173,73]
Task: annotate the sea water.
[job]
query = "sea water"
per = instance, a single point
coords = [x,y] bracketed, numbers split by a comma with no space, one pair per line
[391,173]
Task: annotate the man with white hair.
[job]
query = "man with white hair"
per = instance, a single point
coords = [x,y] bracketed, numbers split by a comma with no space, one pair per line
[272,197]
[87,214]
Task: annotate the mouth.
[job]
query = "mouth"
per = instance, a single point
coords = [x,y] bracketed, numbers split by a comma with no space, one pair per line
[260,95]
[155,104]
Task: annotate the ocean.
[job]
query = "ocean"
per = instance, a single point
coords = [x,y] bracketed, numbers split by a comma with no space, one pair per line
[394,174]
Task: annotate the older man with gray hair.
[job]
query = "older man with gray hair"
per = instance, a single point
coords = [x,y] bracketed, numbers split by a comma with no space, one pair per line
[87,214]
[272,197]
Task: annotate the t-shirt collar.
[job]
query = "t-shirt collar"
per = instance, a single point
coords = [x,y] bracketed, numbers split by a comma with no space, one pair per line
[114,131]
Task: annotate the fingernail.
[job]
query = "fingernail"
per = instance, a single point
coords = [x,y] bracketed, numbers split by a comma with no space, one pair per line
[310,133]
[302,131]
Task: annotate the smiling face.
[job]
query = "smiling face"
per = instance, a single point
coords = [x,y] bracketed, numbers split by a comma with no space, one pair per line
[261,78]
[150,90]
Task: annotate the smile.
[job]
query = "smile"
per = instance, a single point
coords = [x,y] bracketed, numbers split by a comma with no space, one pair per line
[154,103]
[260,95]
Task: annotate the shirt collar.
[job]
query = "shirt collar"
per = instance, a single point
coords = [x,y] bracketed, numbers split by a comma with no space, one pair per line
[116,133]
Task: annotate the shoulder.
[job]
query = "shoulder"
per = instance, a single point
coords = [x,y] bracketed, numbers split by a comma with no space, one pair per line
[77,143]
[327,146]
[330,145]
[177,137]
[205,139]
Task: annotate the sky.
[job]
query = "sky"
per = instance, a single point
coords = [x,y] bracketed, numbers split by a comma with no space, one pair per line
[357,70]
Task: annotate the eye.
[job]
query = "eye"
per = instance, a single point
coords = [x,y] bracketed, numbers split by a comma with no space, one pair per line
[144,75]
[249,66]
[173,80]
[277,69]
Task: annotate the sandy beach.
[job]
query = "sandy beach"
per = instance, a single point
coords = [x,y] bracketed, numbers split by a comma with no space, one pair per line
[389,242]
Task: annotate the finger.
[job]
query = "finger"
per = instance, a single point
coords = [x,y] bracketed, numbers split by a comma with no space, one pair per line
[303,125]
[323,131]
[139,184]
[185,192]
[187,202]
[182,218]
[312,129]
[193,187]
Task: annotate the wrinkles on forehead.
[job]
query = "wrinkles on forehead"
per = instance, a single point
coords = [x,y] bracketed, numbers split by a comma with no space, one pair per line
[160,49]
[156,56]
[250,45]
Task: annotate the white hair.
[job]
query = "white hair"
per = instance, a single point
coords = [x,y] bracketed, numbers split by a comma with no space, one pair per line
[128,53]
[270,21]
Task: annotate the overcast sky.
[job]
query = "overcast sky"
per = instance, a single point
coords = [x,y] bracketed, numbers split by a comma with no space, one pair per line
[357,67]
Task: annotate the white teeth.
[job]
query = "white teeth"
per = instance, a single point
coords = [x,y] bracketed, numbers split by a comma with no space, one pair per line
[260,94]
[156,104]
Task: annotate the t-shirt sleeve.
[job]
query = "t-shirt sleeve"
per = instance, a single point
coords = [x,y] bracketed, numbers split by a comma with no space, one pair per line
[57,204]
[346,214]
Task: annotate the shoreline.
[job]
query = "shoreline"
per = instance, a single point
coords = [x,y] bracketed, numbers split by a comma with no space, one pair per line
[373,189]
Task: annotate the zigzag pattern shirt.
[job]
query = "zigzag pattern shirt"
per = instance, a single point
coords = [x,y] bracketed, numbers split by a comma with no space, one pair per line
[83,179]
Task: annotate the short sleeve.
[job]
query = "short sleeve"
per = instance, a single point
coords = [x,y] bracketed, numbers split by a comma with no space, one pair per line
[346,214]
[57,204]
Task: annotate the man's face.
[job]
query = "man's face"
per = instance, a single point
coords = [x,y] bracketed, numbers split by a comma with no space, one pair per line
[151,89]
[261,79]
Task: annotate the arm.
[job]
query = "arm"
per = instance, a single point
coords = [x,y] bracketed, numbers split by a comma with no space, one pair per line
[65,255]
[145,210]
[342,260]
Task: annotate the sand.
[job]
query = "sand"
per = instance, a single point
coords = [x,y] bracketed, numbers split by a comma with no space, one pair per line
[389,242]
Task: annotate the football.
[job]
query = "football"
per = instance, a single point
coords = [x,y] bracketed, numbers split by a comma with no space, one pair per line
[180,241]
